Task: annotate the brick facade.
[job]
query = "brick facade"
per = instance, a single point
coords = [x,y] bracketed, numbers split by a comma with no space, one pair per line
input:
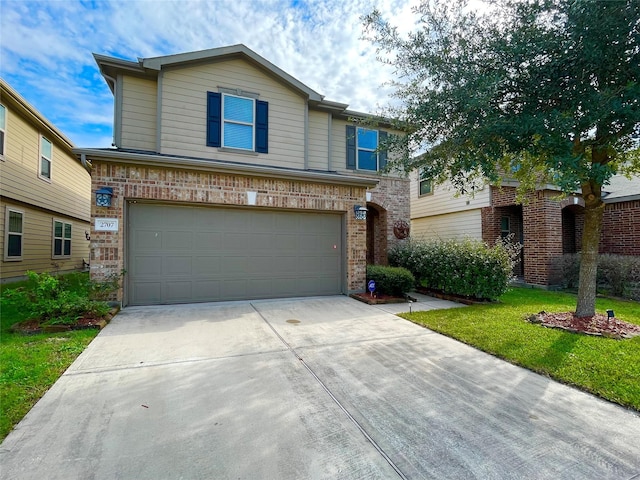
[173,185]
[551,228]
[389,203]
[621,228]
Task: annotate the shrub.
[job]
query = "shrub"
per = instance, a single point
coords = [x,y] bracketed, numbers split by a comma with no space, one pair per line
[54,300]
[618,275]
[462,267]
[394,281]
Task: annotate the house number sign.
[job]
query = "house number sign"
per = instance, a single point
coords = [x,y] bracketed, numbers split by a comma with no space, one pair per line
[106,225]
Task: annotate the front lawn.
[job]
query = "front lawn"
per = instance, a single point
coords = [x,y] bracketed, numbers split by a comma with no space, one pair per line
[605,367]
[30,365]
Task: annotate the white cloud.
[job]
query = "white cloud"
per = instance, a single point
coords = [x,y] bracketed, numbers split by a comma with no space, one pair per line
[46,47]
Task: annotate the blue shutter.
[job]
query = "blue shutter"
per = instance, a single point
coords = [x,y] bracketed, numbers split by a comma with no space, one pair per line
[351,147]
[382,154]
[214,125]
[262,126]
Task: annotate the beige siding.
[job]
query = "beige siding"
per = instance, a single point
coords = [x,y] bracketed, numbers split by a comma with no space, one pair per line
[139,99]
[68,191]
[443,200]
[37,244]
[184,99]
[467,224]
[319,123]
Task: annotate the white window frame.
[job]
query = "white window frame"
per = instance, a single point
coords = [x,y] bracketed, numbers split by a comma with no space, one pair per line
[3,129]
[420,181]
[237,122]
[367,149]
[41,157]
[14,258]
[62,239]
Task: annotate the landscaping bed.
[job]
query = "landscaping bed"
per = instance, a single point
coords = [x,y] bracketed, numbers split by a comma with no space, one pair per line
[34,326]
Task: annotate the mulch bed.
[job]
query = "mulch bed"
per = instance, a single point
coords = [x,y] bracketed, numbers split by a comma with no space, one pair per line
[600,325]
[377,298]
[33,326]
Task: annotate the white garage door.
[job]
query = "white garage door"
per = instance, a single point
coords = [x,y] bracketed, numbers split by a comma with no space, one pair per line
[182,254]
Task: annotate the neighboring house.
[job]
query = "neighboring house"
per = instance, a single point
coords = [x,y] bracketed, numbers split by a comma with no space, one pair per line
[44,193]
[233,180]
[546,226]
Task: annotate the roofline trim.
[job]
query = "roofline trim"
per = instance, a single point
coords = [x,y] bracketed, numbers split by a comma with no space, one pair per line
[153,159]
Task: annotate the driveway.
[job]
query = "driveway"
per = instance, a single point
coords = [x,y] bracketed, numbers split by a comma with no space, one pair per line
[325,387]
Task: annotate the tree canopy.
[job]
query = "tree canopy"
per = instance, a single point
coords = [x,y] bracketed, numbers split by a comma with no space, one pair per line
[541,91]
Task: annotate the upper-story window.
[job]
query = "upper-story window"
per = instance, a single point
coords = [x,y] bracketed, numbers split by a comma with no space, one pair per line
[3,128]
[363,149]
[237,122]
[426,186]
[46,155]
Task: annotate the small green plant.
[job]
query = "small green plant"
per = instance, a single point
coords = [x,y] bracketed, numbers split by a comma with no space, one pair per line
[394,281]
[52,301]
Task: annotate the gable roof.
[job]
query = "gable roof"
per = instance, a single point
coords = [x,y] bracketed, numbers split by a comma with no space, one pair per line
[621,189]
[149,67]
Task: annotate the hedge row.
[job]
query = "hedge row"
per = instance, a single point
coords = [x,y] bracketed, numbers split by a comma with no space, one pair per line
[391,280]
[618,275]
[461,267]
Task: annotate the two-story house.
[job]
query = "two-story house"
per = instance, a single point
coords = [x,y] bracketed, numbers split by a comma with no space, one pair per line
[45,193]
[230,179]
[546,226]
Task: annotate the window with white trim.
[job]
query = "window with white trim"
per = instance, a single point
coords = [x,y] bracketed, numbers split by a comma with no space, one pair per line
[14,227]
[46,156]
[505,227]
[237,122]
[61,239]
[3,129]
[425,186]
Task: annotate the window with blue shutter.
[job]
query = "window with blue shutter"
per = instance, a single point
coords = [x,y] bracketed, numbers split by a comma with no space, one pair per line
[363,149]
[237,122]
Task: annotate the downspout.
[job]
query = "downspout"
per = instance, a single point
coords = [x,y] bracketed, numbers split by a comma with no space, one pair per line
[114,83]
[85,163]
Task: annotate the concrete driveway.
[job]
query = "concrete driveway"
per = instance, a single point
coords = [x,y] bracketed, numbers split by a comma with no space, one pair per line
[325,388]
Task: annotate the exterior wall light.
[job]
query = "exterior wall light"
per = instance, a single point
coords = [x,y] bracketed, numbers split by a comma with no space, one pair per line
[360,212]
[103,197]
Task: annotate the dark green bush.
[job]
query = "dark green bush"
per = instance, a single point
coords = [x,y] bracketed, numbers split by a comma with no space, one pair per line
[461,267]
[618,275]
[394,281]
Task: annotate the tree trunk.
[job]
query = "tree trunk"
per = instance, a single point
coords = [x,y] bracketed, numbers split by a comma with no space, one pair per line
[593,213]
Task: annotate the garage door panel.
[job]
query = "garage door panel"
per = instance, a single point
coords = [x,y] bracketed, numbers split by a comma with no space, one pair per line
[178,291]
[147,239]
[147,265]
[206,265]
[181,254]
[178,240]
[178,265]
[235,242]
[261,265]
[205,290]
[146,293]
[205,240]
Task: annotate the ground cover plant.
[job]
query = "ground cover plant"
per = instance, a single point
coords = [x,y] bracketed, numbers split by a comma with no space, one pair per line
[603,366]
[30,364]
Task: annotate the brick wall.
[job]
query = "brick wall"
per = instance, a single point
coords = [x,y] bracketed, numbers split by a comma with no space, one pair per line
[391,199]
[621,228]
[178,185]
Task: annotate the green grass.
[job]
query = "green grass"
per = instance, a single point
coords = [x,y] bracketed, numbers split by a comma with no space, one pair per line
[605,367]
[29,365]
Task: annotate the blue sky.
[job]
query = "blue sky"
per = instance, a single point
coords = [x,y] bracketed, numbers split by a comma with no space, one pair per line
[46,48]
